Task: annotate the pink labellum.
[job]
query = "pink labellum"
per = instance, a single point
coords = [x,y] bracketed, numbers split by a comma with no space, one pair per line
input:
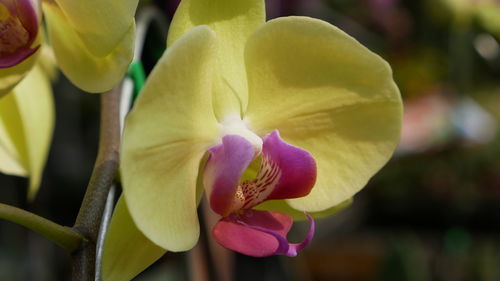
[18,30]
[259,233]
[285,171]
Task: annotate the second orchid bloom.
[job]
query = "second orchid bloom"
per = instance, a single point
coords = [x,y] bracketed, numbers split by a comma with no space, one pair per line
[268,119]
[93,44]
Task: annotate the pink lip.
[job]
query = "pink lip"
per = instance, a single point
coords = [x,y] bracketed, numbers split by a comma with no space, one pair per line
[285,172]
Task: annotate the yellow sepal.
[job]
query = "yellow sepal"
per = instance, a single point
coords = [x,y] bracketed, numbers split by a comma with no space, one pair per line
[26,125]
[233,22]
[126,252]
[327,94]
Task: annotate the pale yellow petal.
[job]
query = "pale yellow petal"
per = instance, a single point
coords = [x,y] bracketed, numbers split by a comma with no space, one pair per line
[87,71]
[166,135]
[13,155]
[100,24]
[26,126]
[328,94]
[36,108]
[233,22]
[127,252]
[10,165]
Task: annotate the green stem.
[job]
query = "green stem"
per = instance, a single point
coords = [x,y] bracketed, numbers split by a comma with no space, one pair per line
[89,217]
[63,236]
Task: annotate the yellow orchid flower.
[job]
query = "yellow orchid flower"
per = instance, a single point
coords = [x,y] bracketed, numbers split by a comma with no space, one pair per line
[93,44]
[93,40]
[293,112]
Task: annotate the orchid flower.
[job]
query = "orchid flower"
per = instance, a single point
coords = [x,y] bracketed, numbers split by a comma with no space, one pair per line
[270,119]
[93,44]
[93,40]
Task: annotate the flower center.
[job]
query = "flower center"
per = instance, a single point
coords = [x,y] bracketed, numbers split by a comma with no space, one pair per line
[233,183]
[13,35]
[257,190]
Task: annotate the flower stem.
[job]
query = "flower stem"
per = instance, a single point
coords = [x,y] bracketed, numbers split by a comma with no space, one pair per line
[198,267]
[63,236]
[105,168]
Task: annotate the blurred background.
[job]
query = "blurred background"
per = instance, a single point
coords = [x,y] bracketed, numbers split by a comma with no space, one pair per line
[432,213]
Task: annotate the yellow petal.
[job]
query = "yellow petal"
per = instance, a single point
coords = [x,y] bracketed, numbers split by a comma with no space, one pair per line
[127,252]
[13,155]
[166,135]
[27,121]
[10,165]
[233,22]
[36,108]
[328,94]
[100,24]
[87,71]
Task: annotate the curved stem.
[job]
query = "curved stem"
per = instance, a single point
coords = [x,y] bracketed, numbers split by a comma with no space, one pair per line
[63,236]
[105,168]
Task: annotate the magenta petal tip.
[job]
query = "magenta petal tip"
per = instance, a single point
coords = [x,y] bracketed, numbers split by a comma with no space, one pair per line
[259,234]
[295,248]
